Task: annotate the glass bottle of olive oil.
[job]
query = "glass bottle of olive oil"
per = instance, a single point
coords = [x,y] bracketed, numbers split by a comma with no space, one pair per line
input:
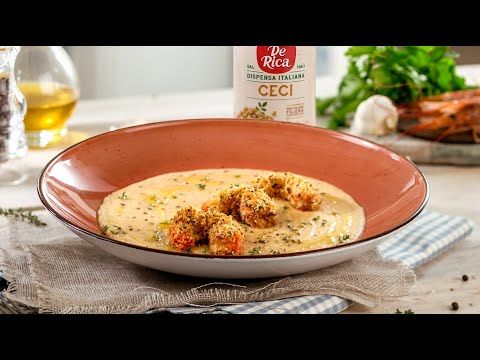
[48,80]
[49,106]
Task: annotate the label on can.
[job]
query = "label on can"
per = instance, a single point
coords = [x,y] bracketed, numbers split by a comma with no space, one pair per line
[275,83]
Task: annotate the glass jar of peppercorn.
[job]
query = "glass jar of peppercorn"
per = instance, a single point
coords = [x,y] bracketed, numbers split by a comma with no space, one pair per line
[13,146]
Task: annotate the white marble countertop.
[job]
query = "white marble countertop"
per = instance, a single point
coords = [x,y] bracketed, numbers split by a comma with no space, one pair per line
[454,190]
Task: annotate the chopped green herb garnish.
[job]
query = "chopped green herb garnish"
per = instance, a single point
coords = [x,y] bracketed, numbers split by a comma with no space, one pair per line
[289,239]
[238,176]
[324,222]
[274,252]
[316,218]
[285,207]
[334,213]
[343,238]
[201,186]
[255,251]
[104,229]
[174,196]
[117,230]
[123,196]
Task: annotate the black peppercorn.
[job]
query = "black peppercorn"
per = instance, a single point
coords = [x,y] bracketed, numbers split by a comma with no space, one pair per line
[465,277]
[455,306]
[4,117]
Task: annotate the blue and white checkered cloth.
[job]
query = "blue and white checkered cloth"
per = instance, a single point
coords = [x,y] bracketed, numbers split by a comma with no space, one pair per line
[419,242]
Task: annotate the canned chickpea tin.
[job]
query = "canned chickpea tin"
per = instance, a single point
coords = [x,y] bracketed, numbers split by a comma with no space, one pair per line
[275,83]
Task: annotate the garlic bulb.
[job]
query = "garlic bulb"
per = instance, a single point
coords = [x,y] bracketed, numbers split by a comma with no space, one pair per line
[375,116]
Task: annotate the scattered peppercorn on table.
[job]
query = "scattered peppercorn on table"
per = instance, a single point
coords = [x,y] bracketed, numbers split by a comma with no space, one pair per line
[448,284]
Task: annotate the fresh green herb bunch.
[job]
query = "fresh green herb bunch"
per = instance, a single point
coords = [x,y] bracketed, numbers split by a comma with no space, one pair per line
[402,73]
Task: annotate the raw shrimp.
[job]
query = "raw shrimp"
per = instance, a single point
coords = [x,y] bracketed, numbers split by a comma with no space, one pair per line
[449,113]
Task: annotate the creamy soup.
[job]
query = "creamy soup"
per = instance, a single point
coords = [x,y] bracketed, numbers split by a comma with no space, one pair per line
[140,213]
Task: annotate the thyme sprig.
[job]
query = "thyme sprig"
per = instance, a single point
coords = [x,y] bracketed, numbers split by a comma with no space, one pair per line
[21,214]
[408,311]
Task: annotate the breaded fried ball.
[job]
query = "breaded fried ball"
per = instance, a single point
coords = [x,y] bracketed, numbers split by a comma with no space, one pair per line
[246,204]
[293,188]
[256,208]
[190,226]
[186,229]
[225,238]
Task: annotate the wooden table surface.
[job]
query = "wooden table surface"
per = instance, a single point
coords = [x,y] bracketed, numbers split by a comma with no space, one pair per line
[454,190]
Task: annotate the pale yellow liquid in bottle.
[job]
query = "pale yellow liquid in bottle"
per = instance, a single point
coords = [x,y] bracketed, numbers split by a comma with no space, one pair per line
[49,106]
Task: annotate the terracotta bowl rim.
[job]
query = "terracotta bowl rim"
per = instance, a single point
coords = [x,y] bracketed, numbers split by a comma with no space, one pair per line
[69,224]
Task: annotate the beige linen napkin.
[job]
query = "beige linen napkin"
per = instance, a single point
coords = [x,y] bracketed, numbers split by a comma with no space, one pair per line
[54,271]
